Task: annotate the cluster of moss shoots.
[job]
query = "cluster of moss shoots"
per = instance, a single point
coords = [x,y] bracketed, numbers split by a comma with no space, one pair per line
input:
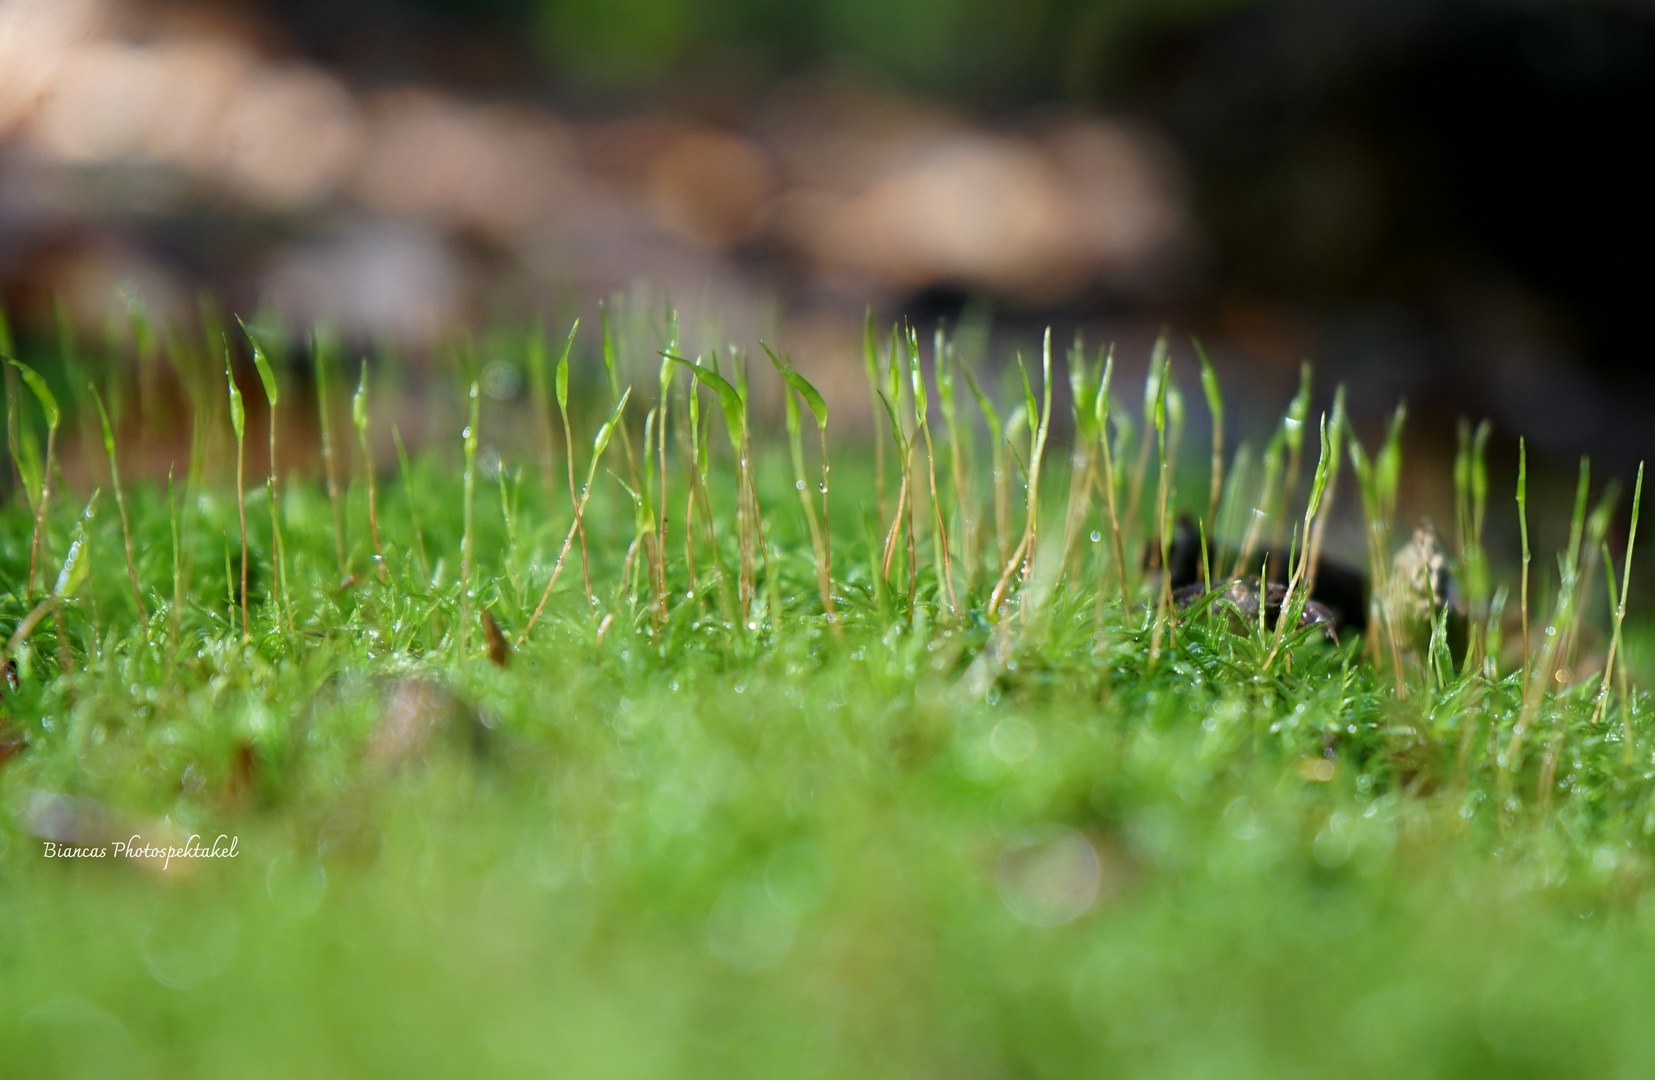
[946,548]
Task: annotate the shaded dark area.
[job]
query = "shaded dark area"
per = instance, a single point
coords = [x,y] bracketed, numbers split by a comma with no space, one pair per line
[1339,590]
[1462,178]
[1420,153]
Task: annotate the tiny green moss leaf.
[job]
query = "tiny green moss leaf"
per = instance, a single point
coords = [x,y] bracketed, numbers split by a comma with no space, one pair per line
[42,392]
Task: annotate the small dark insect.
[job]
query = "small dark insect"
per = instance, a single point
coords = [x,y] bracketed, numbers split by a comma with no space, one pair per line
[1421,587]
[242,781]
[499,650]
[1339,592]
[1243,593]
[12,742]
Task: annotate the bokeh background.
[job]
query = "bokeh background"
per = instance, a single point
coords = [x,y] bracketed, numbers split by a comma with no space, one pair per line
[1437,199]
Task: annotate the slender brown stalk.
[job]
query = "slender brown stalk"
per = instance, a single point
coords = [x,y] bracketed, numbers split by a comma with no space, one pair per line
[640,490]
[870,363]
[1081,479]
[661,458]
[959,452]
[238,420]
[1081,482]
[272,395]
[241,514]
[689,539]
[278,549]
[1215,407]
[26,625]
[942,526]
[41,544]
[359,416]
[175,614]
[1040,418]
[1318,530]
[1620,605]
[598,446]
[721,574]
[329,468]
[1523,528]
[894,532]
[468,441]
[794,389]
[827,533]
[1163,496]
[1303,572]
[120,505]
[939,539]
[891,399]
[771,582]
[536,357]
[1581,573]
[569,458]
[997,459]
[1293,428]
[413,507]
[747,525]
[698,466]
[1140,469]
[1538,683]
[913,560]
[1116,539]
[557,568]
